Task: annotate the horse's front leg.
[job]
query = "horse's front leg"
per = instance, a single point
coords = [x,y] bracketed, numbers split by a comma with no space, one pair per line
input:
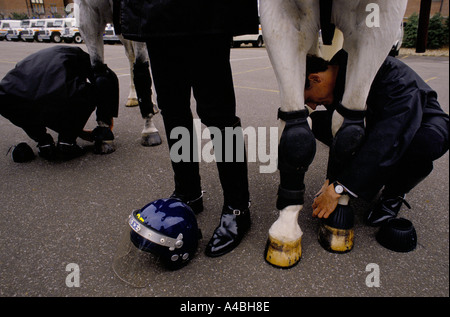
[92,26]
[290,29]
[367,48]
[369,29]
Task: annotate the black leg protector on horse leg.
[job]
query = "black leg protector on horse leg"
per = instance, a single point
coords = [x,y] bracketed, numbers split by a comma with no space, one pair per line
[296,152]
[143,84]
[347,141]
[336,233]
[107,86]
[107,91]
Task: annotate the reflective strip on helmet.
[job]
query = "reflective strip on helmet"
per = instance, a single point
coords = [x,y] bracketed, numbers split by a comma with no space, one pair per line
[155,236]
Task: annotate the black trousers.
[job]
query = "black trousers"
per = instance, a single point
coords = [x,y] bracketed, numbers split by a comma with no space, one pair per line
[198,64]
[66,117]
[414,166]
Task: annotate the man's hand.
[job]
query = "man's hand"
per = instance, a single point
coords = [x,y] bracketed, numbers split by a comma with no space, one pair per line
[326,201]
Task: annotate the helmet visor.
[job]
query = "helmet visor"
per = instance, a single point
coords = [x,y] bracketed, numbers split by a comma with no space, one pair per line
[134,266]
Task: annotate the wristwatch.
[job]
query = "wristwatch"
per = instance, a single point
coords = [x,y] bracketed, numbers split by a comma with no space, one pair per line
[338,188]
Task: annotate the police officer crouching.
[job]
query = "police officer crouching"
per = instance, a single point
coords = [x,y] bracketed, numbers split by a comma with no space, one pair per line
[406,130]
[53,89]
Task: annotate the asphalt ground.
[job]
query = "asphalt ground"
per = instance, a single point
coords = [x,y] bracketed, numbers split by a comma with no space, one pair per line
[57,216]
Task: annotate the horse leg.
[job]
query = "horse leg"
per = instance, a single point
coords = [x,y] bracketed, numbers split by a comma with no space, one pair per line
[290,29]
[141,90]
[132,100]
[367,48]
[92,25]
[143,83]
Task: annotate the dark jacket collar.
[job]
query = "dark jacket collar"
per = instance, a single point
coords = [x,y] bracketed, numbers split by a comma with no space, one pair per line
[339,59]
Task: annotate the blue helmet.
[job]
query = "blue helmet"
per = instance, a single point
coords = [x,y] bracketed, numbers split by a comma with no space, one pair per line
[166,228]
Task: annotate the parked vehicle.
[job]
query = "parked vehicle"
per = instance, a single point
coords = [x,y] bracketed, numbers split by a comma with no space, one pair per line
[53,30]
[109,36]
[17,32]
[31,33]
[256,40]
[72,32]
[6,28]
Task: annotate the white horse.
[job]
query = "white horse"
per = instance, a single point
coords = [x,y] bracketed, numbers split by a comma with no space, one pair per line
[92,16]
[290,29]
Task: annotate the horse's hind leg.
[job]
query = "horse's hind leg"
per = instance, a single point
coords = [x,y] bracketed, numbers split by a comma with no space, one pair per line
[142,83]
[132,100]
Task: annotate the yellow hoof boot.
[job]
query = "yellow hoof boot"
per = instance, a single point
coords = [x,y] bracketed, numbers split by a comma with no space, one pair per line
[336,240]
[336,233]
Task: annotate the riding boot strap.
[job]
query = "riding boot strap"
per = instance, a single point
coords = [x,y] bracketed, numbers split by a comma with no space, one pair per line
[195,202]
[237,212]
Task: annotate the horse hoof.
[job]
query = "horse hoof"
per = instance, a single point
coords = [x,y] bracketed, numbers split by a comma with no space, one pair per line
[104,147]
[132,102]
[283,254]
[151,139]
[336,240]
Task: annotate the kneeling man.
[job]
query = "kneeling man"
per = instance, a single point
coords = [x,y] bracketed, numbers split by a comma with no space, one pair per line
[56,88]
[406,130]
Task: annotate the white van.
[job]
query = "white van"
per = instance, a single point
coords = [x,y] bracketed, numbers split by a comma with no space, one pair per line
[256,40]
[53,30]
[6,28]
[31,33]
[17,32]
[72,32]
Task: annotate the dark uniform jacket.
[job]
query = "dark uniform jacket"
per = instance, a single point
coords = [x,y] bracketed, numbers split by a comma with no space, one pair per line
[399,103]
[142,19]
[45,83]
[50,84]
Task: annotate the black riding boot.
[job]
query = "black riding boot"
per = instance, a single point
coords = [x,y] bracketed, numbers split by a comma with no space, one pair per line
[386,208]
[233,225]
[405,178]
[232,167]
[186,171]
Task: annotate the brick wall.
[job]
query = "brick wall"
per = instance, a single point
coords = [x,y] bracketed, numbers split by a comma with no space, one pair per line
[24,6]
[436,5]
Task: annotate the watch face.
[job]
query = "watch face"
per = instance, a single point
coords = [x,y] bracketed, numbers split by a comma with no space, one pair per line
[339,189]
